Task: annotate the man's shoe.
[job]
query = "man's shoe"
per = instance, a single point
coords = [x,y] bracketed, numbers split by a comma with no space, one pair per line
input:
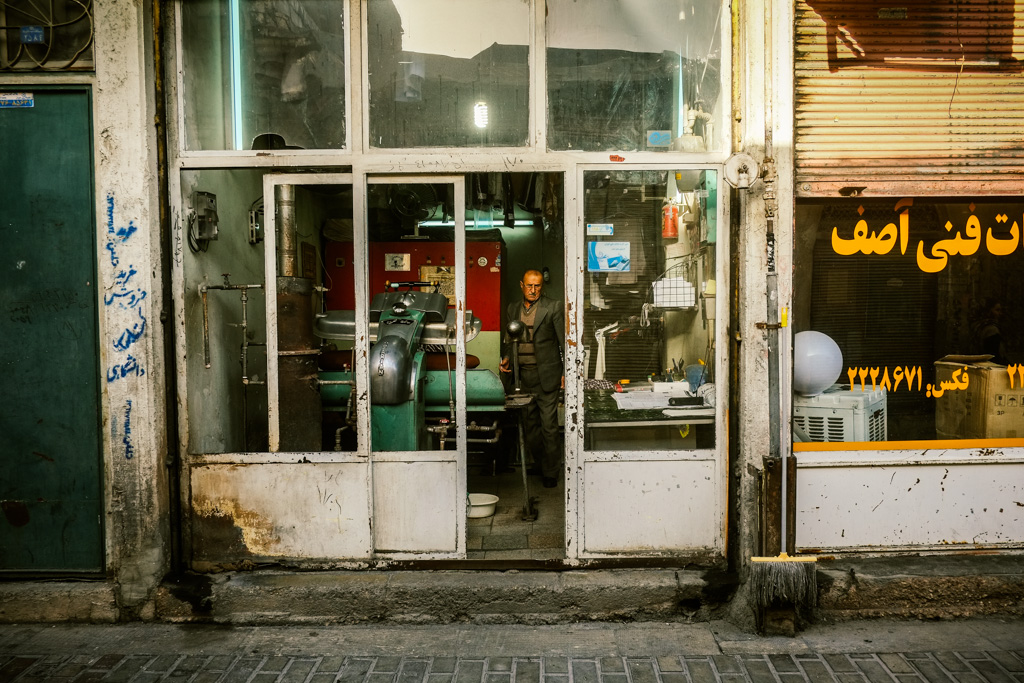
[549,482]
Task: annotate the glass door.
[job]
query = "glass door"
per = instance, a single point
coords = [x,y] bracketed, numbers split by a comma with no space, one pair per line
[652,257]
[417,328]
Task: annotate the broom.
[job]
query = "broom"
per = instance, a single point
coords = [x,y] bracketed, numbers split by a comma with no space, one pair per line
[780,580]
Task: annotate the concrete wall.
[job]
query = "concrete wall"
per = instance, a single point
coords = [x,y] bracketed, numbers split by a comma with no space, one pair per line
[135,450]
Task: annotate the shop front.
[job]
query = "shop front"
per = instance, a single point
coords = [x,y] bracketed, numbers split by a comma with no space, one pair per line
[353,242]
[908,258]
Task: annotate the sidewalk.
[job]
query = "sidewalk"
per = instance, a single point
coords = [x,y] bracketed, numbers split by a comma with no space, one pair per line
[877,651]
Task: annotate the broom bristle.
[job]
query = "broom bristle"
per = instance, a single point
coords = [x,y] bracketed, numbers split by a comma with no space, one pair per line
[783,581]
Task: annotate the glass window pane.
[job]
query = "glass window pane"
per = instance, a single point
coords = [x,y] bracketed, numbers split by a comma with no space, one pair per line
[448,73]
[909,320]
[263,74]
[635,75]
[649,302]
[225,310]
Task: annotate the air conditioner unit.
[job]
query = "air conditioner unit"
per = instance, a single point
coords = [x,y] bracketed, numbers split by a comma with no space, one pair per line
[838,414]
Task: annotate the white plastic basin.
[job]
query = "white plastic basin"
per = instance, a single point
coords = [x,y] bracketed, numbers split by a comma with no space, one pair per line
[481,505]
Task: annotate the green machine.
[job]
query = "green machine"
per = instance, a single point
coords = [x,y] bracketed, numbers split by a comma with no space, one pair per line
[411,404]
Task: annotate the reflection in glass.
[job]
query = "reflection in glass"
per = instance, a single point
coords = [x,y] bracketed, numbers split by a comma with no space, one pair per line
[263,74]
[649,293]
[922,301]
[634,75]
[448,73]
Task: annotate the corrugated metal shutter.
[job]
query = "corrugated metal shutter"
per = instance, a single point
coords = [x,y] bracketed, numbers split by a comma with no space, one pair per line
[922,98]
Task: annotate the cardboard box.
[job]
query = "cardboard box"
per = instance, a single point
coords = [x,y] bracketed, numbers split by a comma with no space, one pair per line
[987,408]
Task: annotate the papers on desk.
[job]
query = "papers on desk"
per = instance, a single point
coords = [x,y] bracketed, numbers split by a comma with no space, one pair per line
[641,400]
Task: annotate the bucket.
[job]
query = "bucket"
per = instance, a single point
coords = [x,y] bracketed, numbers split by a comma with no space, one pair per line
[480,505]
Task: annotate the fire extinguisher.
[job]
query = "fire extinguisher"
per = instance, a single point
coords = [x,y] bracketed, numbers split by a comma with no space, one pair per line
[670,221]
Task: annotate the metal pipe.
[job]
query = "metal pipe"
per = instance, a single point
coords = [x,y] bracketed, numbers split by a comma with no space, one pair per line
[203,289]
[285,200]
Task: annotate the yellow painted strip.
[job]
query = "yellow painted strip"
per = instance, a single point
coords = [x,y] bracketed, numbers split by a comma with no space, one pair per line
[812,446]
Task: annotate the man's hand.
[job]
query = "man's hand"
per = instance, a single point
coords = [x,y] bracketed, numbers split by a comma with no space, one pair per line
[503,366]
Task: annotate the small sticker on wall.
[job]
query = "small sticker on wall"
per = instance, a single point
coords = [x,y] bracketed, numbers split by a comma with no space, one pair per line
[16,100]
[607,257]
[600,229]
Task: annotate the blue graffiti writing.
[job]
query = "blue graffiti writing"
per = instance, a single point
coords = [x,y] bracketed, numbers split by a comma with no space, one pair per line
[129,449]
[127,298]
[131,334]
[122,234]
[129,367]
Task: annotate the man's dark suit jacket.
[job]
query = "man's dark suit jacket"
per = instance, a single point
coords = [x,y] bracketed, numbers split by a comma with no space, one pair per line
[548,338]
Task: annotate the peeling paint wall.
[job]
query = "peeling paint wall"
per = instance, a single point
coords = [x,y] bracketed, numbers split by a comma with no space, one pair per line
[131,332]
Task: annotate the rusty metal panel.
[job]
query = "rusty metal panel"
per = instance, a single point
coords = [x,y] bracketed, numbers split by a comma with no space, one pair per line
[929,503]
[924,97]
[277,511]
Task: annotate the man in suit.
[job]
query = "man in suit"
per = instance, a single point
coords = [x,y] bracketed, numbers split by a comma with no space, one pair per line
[541,371]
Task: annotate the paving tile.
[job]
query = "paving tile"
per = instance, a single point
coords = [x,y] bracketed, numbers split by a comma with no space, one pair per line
[789,678]
[381,677]
[413,671]
[333,663]
[726,664]
[204,677]
[490,677]
[499,664]
[242,670]
[470,672]
[355,670]
[623,678]
[275,664]
[991,671]
[967,677]
[612,665]
[527,671]
[783,663]
[1008,661]
[220,663]
[701,672]
[845,677]
[556,678]
[896,663]
[931,671]
[386,664]
[817,671]
[556,665]
[443,665]
[670,677]
[759,671]
[874,671]
[584,671]
[908,678]
[91,676]
[265,677]
[666,664]
[951,662]
[151,677]
[738,678]
[641,671]
[298,671]
[163,663]
[322,678]
[441,678]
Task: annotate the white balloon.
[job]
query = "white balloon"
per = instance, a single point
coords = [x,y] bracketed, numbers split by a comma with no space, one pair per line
[817,362]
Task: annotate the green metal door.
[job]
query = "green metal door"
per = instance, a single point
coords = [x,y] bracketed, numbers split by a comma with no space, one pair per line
[50,462]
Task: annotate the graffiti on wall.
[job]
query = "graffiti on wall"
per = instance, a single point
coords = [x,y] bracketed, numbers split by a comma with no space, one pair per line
[125,295]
